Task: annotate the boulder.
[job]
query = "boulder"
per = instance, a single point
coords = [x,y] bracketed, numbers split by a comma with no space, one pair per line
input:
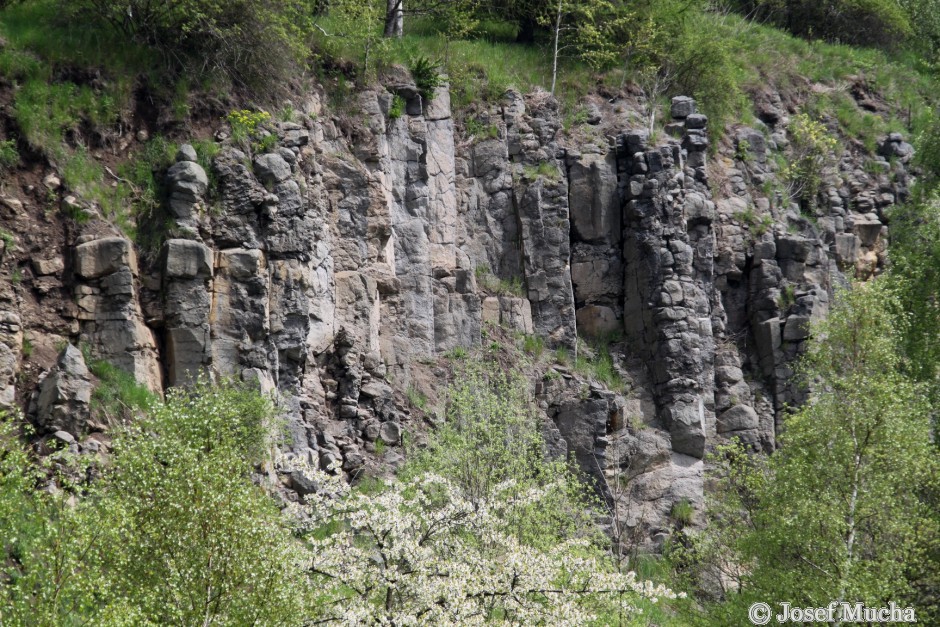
[187,259]
[45,267]
[186,153]
[390,432]
[682,107]
[101,257]
[738,418]
[272,168]
[187,178]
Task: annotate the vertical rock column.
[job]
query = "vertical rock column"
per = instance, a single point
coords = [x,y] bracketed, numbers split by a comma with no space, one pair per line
[11,343]
[596,241]
[187,273]
[540,194]
[456,304]
[668,256]
[109,313]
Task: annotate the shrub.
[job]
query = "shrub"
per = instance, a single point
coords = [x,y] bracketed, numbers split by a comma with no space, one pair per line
[860,22]
[9,156]
[246,124]
[397,108]
[252,42]
[812,148]
[427,76]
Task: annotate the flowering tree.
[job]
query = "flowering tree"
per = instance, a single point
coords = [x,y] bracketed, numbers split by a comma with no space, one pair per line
[481,526]
[421,553]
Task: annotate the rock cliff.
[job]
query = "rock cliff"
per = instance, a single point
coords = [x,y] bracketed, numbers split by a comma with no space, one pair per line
[337,269]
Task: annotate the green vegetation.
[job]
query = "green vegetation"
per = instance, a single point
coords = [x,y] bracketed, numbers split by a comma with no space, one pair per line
[173,531]
[458,353]
[593,361]
[248,130]
[758,225]
[856,466]
[861,22]
[476,128]
[787,298]
[533,345]
[397,109]
[8,239]
[427,76]
[813,148]
[544,169]
[503,287]
[682,512]
[248,42]
[9,155]
[117,396]
[417,399]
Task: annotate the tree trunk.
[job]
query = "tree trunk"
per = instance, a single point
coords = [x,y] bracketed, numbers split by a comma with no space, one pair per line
[394,18]
[555,50]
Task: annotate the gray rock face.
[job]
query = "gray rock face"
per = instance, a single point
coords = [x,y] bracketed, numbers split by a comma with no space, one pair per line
[186,259]
[272,168]
[11,342]
[340,264]
[61,402]
[682,107]
[668,290]
[186,153]
[100,257]
[187,182]
[109,311]
[541,199]
[188,266]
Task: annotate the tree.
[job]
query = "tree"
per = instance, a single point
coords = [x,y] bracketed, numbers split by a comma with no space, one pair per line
[422,552]
[201,543]
[252,42]
[480,526]
[174,532]
[585,27]
[844,511]
[394,18]
[358,21]
[812,149]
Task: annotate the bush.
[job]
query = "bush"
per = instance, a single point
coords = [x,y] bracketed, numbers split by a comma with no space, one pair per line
[481,522]
[427,76]
[9,156]
[858,22]
[812,147]
[174,532]
[252,42]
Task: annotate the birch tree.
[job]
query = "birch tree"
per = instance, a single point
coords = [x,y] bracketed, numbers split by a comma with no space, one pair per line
[846,510]
[584,29]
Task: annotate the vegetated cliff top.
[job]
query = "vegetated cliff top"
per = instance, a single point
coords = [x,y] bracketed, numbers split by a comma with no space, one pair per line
[77,74]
